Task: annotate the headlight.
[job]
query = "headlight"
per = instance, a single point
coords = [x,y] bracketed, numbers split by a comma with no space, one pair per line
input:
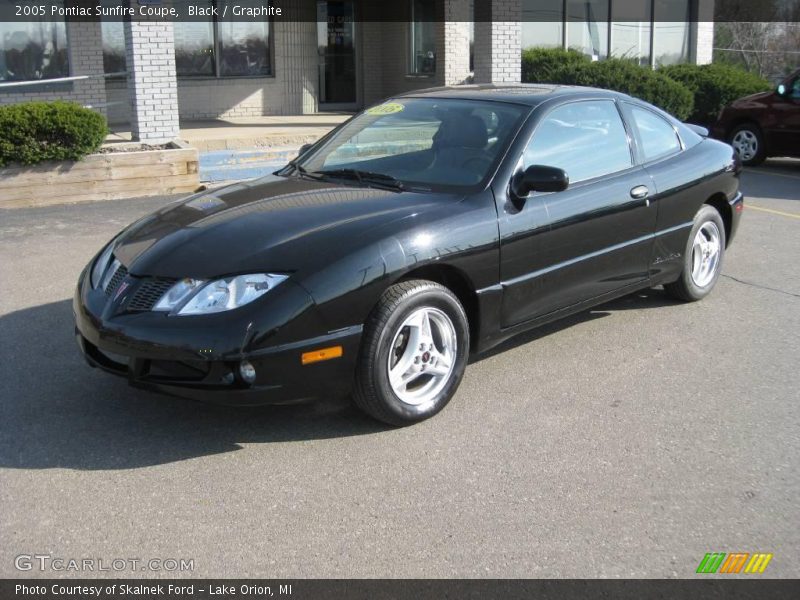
[178,294]
[100,265]
[197,297]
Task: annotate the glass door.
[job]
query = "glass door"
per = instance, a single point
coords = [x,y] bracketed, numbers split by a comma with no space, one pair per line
[336,45]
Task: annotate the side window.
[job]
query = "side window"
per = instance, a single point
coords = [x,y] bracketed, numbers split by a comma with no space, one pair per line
[586,139]
[657,138]
[794,89]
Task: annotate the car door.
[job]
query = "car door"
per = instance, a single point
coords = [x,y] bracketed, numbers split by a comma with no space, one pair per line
[559,249]
[785,134]
[660,151]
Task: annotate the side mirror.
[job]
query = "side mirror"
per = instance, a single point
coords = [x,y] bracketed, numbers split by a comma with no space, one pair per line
[304,148]
[539,178]
[781,90]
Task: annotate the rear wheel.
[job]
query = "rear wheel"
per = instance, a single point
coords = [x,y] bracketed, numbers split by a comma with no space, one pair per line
[702,259]
[413,354]
[748,142]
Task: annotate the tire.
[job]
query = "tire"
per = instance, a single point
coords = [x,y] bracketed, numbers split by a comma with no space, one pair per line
[400,373]
[748,142]
[702,258]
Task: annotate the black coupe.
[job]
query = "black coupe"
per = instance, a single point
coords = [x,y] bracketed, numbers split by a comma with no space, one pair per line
[433,225]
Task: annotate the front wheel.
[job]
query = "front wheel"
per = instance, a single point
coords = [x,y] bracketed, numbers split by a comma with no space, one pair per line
[413,354]
[702,258]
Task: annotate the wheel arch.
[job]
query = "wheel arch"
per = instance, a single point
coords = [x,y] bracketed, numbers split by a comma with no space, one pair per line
[720,202]
[457,282]
[738,122]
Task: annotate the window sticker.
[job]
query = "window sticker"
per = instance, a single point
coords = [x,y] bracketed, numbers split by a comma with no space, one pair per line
[389,108]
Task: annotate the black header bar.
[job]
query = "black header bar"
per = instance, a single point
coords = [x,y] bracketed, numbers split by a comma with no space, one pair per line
[398,589]
[400,10]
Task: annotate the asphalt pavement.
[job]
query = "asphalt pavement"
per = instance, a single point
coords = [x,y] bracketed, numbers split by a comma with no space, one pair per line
[626,441]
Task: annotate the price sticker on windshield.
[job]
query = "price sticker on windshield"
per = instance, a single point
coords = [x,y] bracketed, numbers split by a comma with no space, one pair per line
[388,108]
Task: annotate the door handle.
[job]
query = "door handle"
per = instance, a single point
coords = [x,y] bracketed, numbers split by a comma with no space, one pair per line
[641,192]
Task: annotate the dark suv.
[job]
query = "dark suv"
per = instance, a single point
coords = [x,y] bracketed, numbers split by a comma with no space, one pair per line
[764,124]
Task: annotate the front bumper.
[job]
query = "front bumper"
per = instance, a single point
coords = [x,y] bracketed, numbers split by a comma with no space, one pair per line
[199,357]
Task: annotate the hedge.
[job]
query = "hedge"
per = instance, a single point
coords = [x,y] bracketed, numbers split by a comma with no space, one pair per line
[32,132]
[543,65]
[568,67]
[713,87]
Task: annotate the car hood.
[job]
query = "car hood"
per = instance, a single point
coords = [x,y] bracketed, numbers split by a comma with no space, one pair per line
[270,224]
[751,100]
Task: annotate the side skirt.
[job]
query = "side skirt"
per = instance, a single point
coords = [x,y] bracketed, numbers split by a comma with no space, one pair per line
[503,334]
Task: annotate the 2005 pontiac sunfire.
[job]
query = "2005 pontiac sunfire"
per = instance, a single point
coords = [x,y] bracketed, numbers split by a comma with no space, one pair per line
[434,225]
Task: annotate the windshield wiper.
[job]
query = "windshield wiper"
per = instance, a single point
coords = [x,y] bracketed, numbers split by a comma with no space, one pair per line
[301,171]
[366,177]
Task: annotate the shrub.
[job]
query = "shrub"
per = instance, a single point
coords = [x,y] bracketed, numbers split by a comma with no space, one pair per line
[32,132]
[714,86]
[542,65]
[622,75]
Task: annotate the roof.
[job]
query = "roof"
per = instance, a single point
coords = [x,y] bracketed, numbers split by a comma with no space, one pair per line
[531,94]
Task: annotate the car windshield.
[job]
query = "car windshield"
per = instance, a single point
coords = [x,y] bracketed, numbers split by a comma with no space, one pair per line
[408,143]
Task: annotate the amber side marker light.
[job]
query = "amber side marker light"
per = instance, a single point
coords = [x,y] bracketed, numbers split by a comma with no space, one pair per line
[323,354]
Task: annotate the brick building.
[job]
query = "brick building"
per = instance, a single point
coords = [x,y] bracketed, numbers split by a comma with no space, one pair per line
[322,55]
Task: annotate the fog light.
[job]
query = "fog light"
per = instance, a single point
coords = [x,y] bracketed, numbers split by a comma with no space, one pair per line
[247,371]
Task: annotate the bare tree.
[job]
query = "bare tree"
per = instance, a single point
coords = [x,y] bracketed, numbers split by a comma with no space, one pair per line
[762,37]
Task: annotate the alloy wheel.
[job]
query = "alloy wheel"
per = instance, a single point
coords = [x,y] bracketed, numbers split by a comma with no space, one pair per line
[706,250]
[745,142]
[422,356]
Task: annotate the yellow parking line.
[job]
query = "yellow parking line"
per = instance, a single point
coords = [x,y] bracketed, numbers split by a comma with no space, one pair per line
[774,212]
[761,172]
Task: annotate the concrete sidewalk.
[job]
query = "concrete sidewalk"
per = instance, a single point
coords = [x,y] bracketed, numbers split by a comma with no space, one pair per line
[246,147]
[252,132]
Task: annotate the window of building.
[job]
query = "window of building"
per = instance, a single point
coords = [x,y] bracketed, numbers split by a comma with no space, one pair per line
[422,43]
[244,48]
[657,138]
[30,51]
[630,33]
[204,48]
[562,138]
[223,48]
[542,23]
[650,32]
[113,46]
[472,35]
[671,33]
[587,27]
[194,49]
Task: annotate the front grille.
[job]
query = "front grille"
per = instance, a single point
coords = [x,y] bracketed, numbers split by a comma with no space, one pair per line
[172,370]
[150,292]
[116,279]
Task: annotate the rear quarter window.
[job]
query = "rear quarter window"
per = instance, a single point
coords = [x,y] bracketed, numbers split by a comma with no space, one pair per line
[657,137]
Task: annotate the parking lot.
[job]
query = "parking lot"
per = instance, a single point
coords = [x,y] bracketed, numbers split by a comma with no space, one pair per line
[626,441]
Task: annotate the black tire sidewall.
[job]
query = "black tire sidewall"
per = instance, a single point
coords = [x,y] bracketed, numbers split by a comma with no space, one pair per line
[704,215]
[424,296]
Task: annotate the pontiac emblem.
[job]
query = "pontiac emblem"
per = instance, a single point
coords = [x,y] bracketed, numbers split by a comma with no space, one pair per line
[122,287]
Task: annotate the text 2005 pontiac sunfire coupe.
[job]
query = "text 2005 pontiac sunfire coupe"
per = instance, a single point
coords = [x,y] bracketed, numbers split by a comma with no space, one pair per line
[433,225]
